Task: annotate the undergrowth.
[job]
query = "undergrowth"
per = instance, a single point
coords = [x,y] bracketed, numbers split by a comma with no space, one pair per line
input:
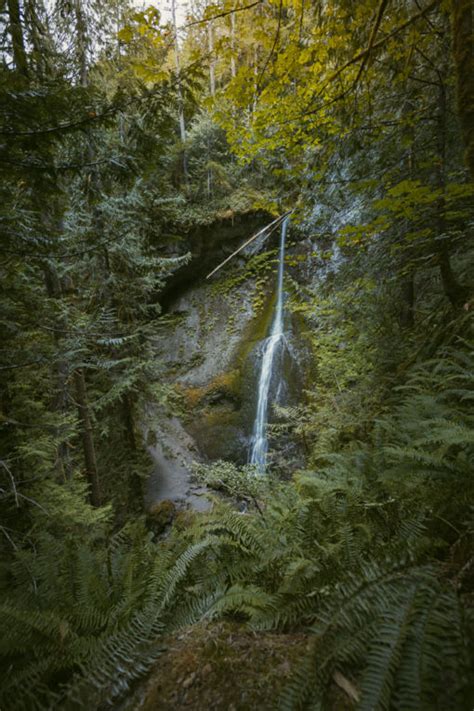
[371,553]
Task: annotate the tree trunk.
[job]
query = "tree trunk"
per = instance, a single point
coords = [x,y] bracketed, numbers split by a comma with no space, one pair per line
[81,42]
[455,292]
[463,52]
[182,122]
[212,72]
[255,73]
[16,33]
[233,64]
[87,436]
[39,37]
[406,316]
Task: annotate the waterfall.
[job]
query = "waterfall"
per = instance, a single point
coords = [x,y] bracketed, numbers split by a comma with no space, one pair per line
[271,347]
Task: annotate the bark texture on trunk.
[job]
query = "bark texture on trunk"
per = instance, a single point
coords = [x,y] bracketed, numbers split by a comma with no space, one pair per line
[181,119]
[16,33]
[463,53]
[212,72]
[81,42]
[455,292]
[233,64]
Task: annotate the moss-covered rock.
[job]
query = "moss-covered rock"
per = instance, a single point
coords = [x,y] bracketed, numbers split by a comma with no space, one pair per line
[211,347]
[223,387]
[161,514]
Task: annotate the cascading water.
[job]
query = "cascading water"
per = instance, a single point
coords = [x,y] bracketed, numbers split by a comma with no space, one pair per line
[271,348]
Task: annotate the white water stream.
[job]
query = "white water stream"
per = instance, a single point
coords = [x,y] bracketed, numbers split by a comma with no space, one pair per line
[271,348]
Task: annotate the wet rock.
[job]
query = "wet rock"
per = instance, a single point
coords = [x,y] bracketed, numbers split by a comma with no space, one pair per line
[210,349]
[171,478]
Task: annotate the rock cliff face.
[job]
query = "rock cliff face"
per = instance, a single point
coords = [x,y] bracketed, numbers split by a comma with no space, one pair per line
[210,349]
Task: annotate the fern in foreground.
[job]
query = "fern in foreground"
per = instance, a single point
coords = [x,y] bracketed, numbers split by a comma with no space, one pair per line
[377,570]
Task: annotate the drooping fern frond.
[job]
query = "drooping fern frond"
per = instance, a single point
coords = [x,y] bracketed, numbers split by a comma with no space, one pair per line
[395,623]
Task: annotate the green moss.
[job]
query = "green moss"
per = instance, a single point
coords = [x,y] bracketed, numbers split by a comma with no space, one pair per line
[258,328]
[226,384]
[259,265]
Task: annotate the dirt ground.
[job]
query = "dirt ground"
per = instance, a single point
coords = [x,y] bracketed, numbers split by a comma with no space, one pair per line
[222,667]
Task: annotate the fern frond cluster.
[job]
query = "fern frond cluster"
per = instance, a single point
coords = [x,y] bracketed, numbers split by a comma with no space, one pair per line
[370,554]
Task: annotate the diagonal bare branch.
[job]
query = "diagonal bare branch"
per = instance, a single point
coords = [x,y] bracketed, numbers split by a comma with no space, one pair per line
[272,51]
[220,14]
[267,229]
[373,34]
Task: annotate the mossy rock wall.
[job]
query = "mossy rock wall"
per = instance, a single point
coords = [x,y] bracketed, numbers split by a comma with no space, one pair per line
[210,349]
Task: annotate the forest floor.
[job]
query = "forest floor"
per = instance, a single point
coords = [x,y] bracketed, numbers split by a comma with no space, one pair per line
[223,667]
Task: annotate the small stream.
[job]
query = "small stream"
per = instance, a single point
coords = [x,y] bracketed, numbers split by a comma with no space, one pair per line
[272,347]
